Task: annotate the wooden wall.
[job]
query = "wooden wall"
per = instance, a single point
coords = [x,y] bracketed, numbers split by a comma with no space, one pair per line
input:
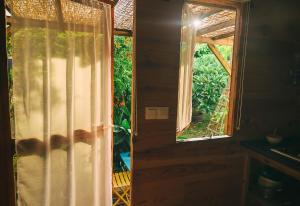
[207,173]
[165,172]
[270,98]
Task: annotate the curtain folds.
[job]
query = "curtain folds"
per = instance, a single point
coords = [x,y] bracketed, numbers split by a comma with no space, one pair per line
[187,47]
[62,102]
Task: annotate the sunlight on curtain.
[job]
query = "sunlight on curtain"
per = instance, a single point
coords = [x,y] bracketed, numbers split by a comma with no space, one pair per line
[188,36]
[62,101]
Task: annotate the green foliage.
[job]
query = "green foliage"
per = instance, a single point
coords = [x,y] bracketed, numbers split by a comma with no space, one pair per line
[58,43]
[209,82]
[196,129]
[122,90]
[209,78]
[8,45]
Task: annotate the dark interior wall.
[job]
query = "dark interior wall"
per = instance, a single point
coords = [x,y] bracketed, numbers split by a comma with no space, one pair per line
[270,97]
[207,173]
[6,179]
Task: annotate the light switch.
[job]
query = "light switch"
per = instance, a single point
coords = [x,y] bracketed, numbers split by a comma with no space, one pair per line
[156,113]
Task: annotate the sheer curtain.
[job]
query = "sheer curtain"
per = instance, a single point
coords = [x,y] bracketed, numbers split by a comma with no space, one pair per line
[62,102]
[188,37]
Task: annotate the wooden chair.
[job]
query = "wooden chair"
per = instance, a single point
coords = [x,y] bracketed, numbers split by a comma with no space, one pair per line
[121,188]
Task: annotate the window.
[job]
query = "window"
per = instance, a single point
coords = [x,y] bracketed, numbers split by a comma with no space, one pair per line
[207,73]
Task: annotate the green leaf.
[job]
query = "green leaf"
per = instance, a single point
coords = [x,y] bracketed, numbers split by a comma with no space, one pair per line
[125,124]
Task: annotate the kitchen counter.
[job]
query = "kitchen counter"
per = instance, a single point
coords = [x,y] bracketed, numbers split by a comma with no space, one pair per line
[261,150]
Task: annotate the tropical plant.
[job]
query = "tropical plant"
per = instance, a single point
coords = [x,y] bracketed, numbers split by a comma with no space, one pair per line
[122,91]
[210,81]
[209,78]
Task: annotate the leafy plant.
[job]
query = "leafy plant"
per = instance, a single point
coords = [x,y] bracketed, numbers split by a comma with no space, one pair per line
[122,91]
[209,78]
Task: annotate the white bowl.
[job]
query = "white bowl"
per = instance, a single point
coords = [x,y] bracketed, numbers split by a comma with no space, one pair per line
[274,139]
[267,182]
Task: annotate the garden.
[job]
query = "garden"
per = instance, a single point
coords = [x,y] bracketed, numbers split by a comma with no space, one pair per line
[210,93]
[122,97]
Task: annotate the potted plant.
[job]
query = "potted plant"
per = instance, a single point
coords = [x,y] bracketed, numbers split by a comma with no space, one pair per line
[197,115]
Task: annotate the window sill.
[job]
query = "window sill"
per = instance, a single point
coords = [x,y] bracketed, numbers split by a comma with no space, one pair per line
[195,139]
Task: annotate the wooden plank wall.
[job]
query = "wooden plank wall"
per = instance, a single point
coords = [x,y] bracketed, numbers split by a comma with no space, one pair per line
[207,173]
[165,172]
[270,98]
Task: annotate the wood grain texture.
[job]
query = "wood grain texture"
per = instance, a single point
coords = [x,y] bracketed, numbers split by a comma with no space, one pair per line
[208,173]
[270,99]
[166,173]
[216,27]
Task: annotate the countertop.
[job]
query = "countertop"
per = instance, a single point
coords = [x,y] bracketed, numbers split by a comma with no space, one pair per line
[261,149]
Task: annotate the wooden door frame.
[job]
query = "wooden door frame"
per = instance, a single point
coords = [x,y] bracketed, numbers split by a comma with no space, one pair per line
[7,187]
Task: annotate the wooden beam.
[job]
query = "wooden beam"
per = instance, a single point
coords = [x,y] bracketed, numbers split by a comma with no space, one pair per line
[123,32]
[95,3]
[111,2]
[210,13]
[216,27]
[221,59]
[207,40]
[224,36]
[225,4]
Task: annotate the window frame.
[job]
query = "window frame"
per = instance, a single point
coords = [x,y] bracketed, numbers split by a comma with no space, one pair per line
[239,7]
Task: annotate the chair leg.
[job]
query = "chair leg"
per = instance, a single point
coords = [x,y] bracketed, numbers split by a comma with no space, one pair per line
[126,196]
[121,197]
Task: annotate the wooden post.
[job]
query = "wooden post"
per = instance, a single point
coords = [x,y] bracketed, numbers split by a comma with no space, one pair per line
[207,40]
[221,59]
[7,191]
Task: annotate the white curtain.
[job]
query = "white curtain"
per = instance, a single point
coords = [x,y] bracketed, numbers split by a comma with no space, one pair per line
[62,102]
[187,47]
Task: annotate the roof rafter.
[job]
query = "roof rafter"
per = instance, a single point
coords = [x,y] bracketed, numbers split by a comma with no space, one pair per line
[210,13]
[223,36]
[221,59]
[208,40]
[216,27]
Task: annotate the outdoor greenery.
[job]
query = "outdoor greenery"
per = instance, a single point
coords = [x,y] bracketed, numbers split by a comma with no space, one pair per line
[122,96]
[122,88]
[209,82]
[209,78]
